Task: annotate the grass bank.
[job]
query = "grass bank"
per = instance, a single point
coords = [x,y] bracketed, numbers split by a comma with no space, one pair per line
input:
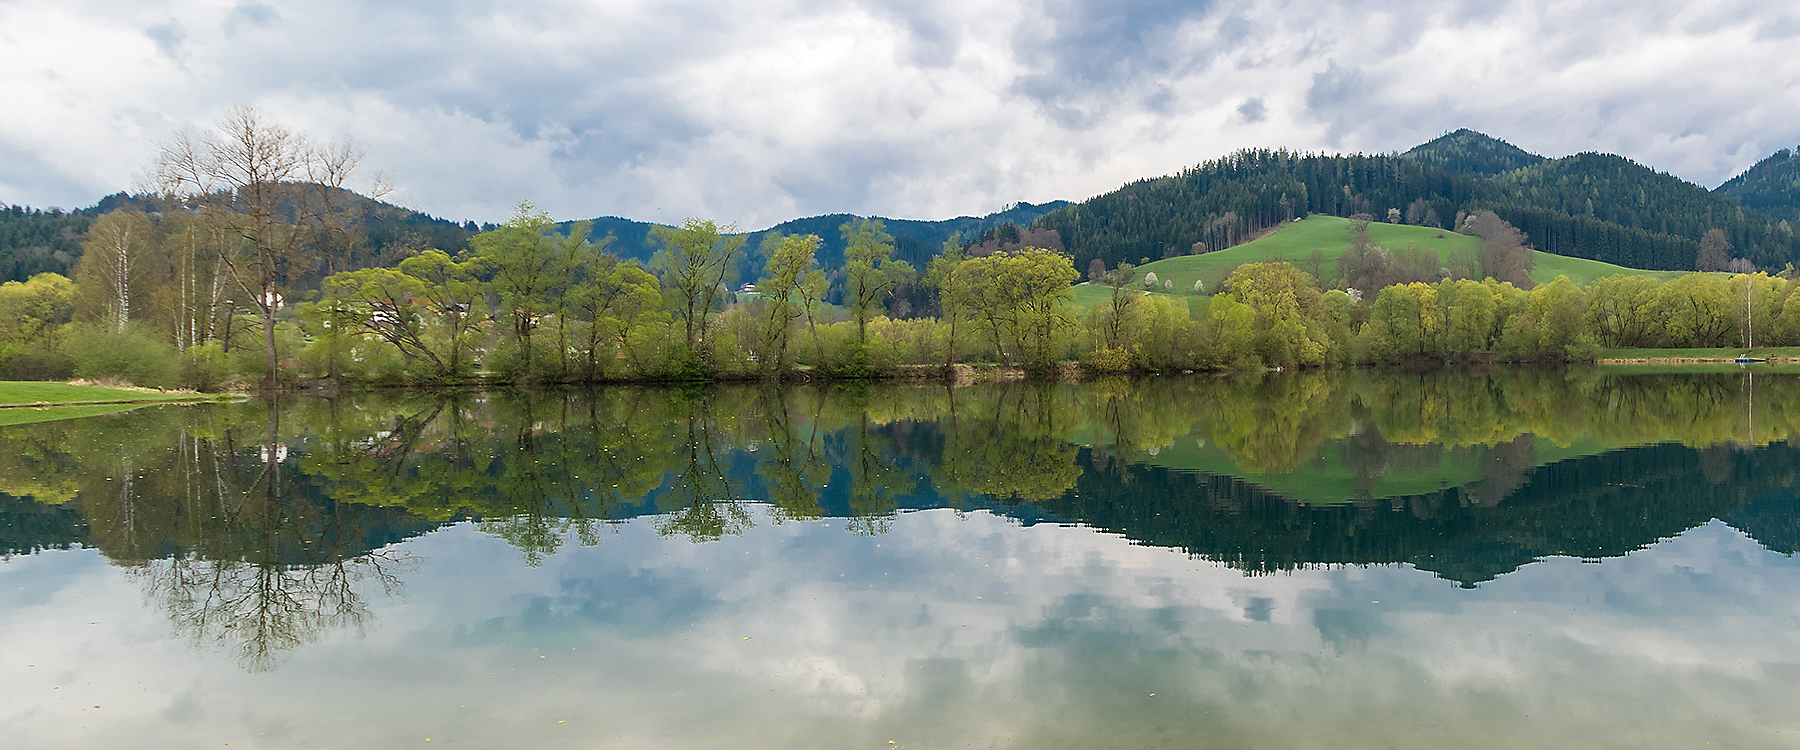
[1772,354]
[17,394]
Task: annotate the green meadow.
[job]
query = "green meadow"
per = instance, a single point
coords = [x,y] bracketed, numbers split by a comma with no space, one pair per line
[19,393]
[1330,235]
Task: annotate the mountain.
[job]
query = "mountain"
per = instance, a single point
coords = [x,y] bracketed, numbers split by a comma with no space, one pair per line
[1592,204]
[915,241]
[1596,206]
[1468,152]
[1772,186]
[34,241]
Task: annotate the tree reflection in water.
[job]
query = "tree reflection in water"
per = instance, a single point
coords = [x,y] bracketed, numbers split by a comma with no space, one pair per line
[259,527]
[263,610]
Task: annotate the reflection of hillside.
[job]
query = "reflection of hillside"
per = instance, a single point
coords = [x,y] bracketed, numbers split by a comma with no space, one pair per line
[1329,437]
[1591,507]
[27,526]
[1467,474]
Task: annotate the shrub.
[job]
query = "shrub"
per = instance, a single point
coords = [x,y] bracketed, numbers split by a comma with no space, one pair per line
[133,355]
[204,368]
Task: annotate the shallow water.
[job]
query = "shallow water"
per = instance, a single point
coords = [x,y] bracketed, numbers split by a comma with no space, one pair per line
[1520,558]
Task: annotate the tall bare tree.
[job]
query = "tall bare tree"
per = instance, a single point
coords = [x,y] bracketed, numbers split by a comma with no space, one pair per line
[115,265]
[262,176]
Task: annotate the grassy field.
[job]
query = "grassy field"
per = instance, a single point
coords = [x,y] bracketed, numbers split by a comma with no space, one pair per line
[1761,352]
[1546,267]
[32,393]
[1330,235]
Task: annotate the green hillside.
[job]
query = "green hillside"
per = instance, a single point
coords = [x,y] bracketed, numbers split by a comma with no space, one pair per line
[1772,186]
[1327,480]
[915,241]
[1330,235]
[1597,206]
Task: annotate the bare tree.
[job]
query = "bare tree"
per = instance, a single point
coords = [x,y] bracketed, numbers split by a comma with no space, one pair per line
[1715,251]
[114,264]
[1504,254]
[268,181]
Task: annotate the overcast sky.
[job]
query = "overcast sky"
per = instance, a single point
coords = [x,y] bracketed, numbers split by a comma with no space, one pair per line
[759,112]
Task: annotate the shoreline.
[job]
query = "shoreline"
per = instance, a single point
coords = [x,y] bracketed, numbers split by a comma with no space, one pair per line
[1694,361]
[204,398]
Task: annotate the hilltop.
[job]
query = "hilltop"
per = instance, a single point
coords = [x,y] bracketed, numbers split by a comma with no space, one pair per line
[1771,186]
[1468,152]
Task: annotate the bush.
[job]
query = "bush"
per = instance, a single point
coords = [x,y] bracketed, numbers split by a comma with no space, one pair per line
[204,368]
[34,362]
[134,355]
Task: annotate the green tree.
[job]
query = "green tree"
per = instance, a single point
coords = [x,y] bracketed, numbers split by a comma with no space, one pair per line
[694,262]
[791,259]
[1022,302]
[452,291]
[531,266]
[1470,315]
[870,271]
[383,302]
[955,292]
[616,302]
[1407,322]
[1290,313]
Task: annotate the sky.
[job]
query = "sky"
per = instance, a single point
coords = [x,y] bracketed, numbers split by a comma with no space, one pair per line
[754,113]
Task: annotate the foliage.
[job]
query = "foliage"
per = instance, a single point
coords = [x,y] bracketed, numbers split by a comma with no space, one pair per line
[32,314]
[1589,205]
[695,261]
[1465,151]
[132,355]
[35,241]
[1771,186]
[1020,306]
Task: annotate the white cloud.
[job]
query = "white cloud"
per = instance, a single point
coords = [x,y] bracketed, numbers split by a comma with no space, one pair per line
[757,113]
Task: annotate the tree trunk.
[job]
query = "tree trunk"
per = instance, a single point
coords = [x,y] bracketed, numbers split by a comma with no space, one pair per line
[269,356]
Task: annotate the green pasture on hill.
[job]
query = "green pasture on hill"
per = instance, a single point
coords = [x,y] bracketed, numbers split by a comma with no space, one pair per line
[1327,480]
[1330,235]
[1545,267]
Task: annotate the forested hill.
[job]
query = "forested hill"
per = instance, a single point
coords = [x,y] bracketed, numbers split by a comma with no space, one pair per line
[915,241]
[1772,186]
[1468,152]
[1596,206]
[34,241]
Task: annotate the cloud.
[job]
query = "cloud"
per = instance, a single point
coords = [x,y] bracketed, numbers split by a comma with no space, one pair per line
[761,112]
[1252,110]
[168,37]
[802,634]
[250,14]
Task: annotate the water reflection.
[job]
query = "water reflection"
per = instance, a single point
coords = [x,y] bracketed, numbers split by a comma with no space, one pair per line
[258,527]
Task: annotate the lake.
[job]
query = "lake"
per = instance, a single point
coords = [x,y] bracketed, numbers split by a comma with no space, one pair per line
[1356,559]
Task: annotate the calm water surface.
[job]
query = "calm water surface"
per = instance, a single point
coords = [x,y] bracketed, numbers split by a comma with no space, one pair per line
[1513,559]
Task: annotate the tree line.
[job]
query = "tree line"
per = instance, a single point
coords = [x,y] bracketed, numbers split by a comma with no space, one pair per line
[1594,206]
[528,303]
